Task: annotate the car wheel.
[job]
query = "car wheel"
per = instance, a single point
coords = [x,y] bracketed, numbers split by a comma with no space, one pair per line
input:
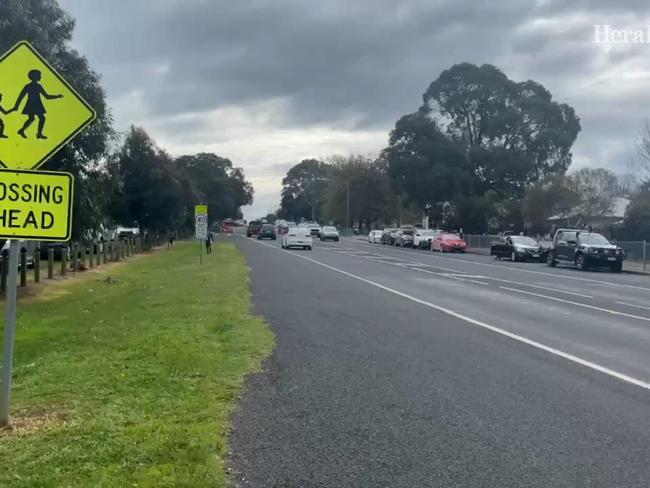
[580,263]
[309,248]
[616,267]
[550,260]
[337,240]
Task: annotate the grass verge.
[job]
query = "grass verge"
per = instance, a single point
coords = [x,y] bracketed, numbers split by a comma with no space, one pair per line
[127,378]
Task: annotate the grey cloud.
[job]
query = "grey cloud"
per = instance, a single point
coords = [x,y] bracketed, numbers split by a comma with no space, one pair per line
[365,61]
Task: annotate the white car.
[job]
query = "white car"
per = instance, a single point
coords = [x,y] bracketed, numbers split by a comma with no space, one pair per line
[374,237]
[423,237]
[329,233]
[297,237]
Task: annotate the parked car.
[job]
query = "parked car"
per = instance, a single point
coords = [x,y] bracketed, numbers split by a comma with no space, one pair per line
[314,228]
[374,236]
[423,237]
[29,246]
[329,233]
[388,236]
[584,250]
[447,242]
[297,237]
[254,227]
[267,231]
[517,248]
[403,237]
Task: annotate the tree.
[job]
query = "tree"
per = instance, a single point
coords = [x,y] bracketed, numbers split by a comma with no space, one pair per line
[512,133]
[303,190]
[637,216]
[363,183]
[642,165]
[423,165]
[595,188]
[49,29]
[546,198]
[215,181]
[150,193]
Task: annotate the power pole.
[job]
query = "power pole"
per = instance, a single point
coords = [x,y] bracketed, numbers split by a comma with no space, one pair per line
[347,206]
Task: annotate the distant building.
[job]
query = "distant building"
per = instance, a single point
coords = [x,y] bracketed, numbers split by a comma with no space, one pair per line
[604,223]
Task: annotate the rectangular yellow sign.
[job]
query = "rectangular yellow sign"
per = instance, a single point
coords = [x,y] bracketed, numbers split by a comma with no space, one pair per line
[36,205]
[200,210]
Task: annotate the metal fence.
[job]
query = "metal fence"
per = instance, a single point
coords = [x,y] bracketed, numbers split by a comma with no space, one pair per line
[637,252]
[479,243]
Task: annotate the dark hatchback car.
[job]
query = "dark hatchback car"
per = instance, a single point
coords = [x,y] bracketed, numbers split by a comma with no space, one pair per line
[267,231]
[584,250]
[254,227]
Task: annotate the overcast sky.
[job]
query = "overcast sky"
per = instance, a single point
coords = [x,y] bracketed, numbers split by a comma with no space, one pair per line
[268,83]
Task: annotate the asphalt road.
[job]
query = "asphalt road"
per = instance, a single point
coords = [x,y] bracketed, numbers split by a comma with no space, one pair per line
[404,368]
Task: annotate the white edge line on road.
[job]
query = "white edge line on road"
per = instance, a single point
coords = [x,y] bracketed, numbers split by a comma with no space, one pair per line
[578,304]
[513,268]
[516,337]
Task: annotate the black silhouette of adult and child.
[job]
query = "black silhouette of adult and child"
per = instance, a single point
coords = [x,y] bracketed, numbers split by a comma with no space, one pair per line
[33,106]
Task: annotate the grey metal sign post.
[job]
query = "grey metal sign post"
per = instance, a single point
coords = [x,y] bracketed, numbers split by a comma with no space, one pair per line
[10,326]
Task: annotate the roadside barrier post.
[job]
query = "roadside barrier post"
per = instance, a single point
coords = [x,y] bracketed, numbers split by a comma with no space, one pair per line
[64,259]
[75,257]
[91,255]
[97,254]
[23,267]
[104,244]
[37,266]
[50,263]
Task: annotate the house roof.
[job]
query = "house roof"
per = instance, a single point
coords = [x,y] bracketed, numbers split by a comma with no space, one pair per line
[616,211]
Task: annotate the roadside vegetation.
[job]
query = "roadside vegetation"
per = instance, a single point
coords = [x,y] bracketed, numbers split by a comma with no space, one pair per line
[127,376]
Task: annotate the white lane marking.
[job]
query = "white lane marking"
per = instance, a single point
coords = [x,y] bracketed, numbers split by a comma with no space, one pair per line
[577,304]
[512,268]
[633,305]
[541,287]
[538,345]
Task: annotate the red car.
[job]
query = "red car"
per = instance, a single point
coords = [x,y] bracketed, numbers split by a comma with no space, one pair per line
[445,242]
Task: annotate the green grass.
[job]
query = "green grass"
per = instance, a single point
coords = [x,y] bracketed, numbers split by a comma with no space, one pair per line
[130,381]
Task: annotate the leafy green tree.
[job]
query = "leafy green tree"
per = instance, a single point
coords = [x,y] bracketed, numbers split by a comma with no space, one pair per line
[546,198]
[213,180]
[368,188]
[595,188]
[512,133]
[423,164]
[49,29]
[304,188]
[637,216]
[150,191]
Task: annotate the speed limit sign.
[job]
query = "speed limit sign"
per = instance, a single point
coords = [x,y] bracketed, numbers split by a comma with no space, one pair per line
[201,221]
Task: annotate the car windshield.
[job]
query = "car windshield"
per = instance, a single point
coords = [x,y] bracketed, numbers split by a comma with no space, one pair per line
[593,239]
[407,232]
[329,229]
[426,232]
[267,227]
[528,241]
[450,237]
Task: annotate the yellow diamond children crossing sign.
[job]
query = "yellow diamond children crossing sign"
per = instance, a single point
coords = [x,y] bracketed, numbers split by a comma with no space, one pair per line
[39,111]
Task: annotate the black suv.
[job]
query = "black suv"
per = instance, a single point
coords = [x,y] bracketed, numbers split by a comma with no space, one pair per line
[585,249]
